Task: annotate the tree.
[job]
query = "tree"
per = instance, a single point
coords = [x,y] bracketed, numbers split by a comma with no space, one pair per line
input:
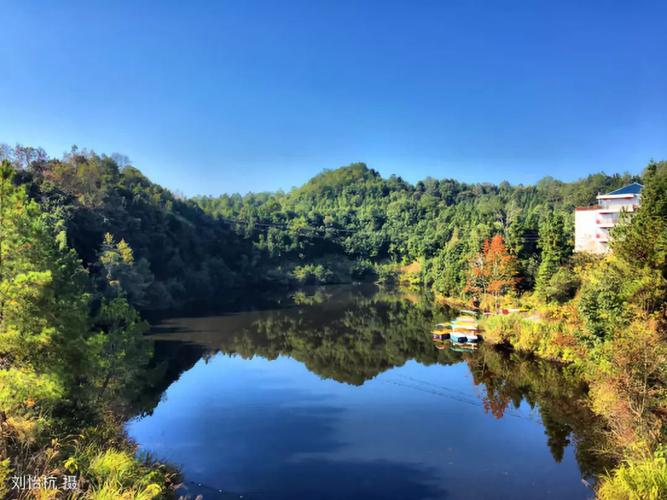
[640,241]
[43,305]
[121,275]
[493,270]
[555,248]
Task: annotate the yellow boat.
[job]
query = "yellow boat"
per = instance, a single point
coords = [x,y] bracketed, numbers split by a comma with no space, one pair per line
[441,331]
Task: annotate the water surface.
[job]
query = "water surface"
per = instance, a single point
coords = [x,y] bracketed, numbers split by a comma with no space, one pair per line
[340,393]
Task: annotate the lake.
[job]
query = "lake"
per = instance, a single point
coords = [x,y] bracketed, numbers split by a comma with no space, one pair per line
[339,392]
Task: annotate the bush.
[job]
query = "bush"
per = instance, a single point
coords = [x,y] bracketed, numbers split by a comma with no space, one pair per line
[387,273]
[637,480]
[362,270]
[312,274]
[603,302]
[562,286]
[500,329]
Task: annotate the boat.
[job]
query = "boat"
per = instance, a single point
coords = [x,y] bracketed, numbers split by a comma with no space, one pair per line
[465,319]
[441,331]
[465,327]
[464,348]
[440,335]
[465,337]
[468,311]
[458,336]
[465,323]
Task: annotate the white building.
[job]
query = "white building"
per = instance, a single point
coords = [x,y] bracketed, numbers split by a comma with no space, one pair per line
[592,224]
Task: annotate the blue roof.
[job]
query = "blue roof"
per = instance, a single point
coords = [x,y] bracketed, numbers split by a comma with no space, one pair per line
[634,188]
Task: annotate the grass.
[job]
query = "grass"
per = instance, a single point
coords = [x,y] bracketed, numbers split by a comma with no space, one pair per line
[637,479]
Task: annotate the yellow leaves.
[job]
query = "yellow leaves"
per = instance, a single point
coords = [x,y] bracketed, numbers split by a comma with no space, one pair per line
[71,465]
[153,490]
[18,386]
[643,479]
[23,429]
[113,465]
[5,471]
[124,250]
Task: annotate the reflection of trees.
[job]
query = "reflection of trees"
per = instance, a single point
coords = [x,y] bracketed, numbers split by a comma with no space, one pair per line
[353,338]
[560,395]
[353,344]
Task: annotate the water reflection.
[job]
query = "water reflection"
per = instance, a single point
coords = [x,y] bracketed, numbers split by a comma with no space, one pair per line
[340,393]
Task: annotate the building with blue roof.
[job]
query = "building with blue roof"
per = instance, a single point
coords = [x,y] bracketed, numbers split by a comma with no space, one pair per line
[593,224]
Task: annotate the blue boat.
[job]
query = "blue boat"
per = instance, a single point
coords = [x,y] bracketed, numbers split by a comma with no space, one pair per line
[464,337]
[460,337]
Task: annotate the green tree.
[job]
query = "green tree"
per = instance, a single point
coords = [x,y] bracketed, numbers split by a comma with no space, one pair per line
[121,275]
[43,305]
[555,247]
[641,242]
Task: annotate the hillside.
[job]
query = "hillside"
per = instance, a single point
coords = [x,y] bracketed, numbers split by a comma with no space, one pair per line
[343,224]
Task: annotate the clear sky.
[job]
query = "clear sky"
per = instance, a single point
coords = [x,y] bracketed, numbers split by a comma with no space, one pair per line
[222,96]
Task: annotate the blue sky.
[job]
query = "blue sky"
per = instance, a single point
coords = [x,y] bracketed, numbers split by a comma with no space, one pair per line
[225,96]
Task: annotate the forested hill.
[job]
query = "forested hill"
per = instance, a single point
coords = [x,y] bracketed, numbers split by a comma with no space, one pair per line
[348,223]
[178,252]
[353,211]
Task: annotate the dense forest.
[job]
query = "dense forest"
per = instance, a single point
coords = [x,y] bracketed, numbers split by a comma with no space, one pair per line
[355,214]
[342,225]
[88,243]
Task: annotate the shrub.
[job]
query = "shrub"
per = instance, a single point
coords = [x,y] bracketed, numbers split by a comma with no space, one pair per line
[387,273]
[637,479]
[562,286]
[362,270]
[603,301]
[500,329]
[312,274]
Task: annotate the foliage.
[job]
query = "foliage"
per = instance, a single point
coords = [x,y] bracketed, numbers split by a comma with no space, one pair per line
[561,287]
[492,271]
[556,247]
[641,242]
[179,252]
[603,303]
[61,347]
[637,479]
[354,213]
[119,273]
[186,250]
[86,239]
[311,274]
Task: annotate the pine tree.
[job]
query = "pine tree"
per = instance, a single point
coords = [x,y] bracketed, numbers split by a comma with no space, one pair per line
[555,248]
[640,242]
[43,305]
[121,275]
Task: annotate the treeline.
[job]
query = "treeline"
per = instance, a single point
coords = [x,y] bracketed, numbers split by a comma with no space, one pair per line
[355,214]
[181,253]
[343,225]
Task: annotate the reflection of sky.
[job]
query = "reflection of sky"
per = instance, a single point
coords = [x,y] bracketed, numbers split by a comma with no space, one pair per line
[275,430]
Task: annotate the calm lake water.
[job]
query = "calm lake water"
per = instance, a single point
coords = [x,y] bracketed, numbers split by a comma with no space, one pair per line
[340,393]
